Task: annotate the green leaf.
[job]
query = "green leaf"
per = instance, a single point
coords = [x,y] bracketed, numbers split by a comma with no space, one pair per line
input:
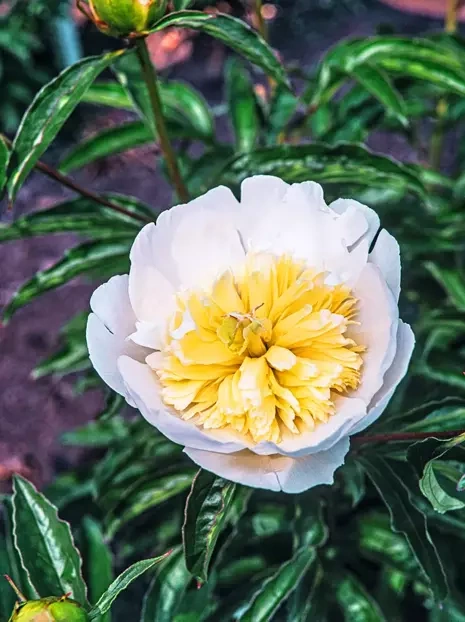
[355,602]
[45,544]
[110,94]
[185,110]
[97,433]
[276,590]
[439,478]
[310,528]
[80,259]
[408,520]
[380,86]
[4,159]
[179,5]
[82,216]
[48,112]
[149,496]
[103,144]
[283,106]
[17,571]
[242,105]
[309,600]
[7,595]
[233,32]
[99,563]
[121,583]
[453,282]
[166,591]
[341,163]
[206,509]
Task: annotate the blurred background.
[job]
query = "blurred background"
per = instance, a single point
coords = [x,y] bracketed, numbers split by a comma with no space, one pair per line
[38,38]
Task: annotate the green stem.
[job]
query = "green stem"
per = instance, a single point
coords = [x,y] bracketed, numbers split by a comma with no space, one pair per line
[151,80]
[261,25]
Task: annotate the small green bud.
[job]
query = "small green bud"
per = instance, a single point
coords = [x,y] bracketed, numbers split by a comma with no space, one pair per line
[49,610]
[125,18]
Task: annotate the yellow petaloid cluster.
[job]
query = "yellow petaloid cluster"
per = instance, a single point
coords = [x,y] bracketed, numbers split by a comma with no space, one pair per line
[260,352]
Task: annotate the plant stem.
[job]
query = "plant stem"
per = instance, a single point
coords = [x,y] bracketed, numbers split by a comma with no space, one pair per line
[72,185]
[18,592]
[405,436]
[437,138]
[261,25]
[151,80]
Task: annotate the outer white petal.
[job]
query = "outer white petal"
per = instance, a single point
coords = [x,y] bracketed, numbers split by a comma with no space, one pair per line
[295,220]
[378,316]
[142,385]
[292,475]
[348,412]
[386,255]
[398,369]
[371,217]
[107,330]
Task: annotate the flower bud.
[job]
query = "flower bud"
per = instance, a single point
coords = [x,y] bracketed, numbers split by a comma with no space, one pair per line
[49,610]
[126,18]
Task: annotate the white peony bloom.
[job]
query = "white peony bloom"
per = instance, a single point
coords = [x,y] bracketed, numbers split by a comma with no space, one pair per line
[258,334]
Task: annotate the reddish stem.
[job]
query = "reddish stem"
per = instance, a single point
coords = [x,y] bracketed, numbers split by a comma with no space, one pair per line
[405,436]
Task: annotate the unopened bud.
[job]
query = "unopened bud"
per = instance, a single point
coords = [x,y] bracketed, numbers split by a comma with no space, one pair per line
[49,610]
[124,18]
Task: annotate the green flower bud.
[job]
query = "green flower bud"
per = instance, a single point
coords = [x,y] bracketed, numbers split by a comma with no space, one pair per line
[126,18]
[49,610]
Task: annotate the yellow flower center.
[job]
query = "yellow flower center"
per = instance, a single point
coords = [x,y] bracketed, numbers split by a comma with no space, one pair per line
[263,351]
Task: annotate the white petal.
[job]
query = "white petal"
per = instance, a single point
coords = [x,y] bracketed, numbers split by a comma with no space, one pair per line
[107,331]
[152,295]
[206,243]
[398,369]
[378,316]
[291,475]
[348,412]
[386,255]
[143,386]
[295,220]
[342,206]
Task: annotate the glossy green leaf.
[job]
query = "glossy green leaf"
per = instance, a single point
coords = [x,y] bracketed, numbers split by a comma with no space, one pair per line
[48,112]
[79,260]
[418,58]
[45,544]
[343,163]
[233,32]
[149,496]
[184,108]
[309,599]
[166,591]
[107,93]
[106,143]
[381,545]
[377,83]
[4,159]
[121,583]
[276,590]
[81,216]
[179,5]
[242,105]
[453,282]
[97,433]
[283,106]
[310,528]
[17,571]
[355,601]
[206,509]
[98,562]
[407,519]
[7,595]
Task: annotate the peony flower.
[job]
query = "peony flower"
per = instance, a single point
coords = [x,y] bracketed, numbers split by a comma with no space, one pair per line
[258,334]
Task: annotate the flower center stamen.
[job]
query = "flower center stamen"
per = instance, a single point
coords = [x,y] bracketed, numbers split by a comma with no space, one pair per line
[265,352]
